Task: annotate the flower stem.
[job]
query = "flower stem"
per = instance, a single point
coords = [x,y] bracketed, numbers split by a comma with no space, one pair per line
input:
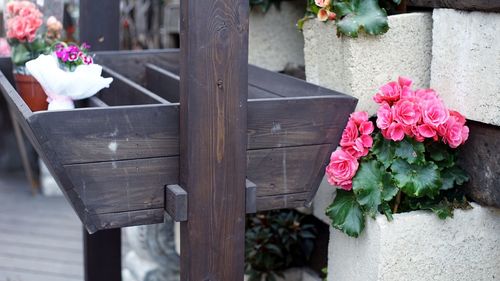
[396,204]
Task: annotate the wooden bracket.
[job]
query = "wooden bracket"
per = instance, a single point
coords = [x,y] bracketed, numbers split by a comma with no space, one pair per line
[251,197]
[176,202]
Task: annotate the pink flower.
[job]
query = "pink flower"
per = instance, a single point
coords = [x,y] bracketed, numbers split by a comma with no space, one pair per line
[359,117]
[350,134]
[407,112]
[426,95]
[366,128]
[454,131]
[434,113]
[390,93]
[4,48]
[322,3]
[341,169]
[322,14]
[331,15]
[426,131]
[384,116]
[404,81]
[395,132]
[87,60]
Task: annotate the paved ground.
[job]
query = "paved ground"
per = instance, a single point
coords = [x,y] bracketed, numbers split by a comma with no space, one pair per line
[40,237]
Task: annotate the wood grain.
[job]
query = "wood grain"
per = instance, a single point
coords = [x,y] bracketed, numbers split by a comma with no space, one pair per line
[470,5]
[100,24]
[214,93]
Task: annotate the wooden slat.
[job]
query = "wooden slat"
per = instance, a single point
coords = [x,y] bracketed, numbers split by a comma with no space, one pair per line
[102,252]
[176,204]
[137,132]
[166,84]
[16,274]
[124,186]
[60,269]
[123,91]
[470,5]
[125,219]
[132,64]
[100,24]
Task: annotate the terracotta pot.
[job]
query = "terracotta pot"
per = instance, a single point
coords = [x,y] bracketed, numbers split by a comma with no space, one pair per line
[31,91]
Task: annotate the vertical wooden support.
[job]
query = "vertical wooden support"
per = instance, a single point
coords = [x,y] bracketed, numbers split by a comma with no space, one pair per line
[102,252]
[213,108]
[100,24]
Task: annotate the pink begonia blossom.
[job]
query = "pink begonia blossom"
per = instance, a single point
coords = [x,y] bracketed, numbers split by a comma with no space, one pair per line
[434,113]
[23,21]
[331,15]
[384,116]
[395,132]
[322,14]
[390,93]
[359,117]
[366,128]
[454,131]
[341,169]
[322,3]
[350,134]
[407,112]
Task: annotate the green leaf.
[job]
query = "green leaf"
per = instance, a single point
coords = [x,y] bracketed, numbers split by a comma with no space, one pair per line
[417,180]
[345,213]
[352,16]
[383,150]
[410,150]
[386,209]
[451,176]
[390,189]
[368,185]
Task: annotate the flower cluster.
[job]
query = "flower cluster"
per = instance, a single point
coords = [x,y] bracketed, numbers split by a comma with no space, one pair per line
[325,12]
[23,20]
[355,143]
[419,114]
[71,56]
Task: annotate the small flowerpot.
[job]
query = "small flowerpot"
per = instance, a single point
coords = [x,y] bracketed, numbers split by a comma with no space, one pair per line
[419,246]
[31,91]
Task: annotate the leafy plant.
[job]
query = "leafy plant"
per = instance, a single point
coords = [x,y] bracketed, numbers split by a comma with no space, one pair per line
[275,241]
[352,16]
[408,164]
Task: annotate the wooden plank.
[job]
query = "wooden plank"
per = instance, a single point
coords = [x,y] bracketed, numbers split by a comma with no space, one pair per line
[61,269]
[125,219]
[283,201]
[102,252]
[166,84]
[176,204]
[132,64]
[96,102]
[100,24]
[480,157]
[124,185]
[9,274]
[123,91]
[214,93]
[138,132]
[470,5]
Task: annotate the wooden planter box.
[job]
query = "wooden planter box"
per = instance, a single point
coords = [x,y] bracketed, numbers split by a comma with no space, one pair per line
[114,156]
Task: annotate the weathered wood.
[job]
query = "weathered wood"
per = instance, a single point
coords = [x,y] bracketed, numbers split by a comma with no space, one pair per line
[125,219]
[125,92]
[176,202]
[470,5]
[100,24]
[251,197]
[214,93]
[102,252]
[480,157]
[166,84]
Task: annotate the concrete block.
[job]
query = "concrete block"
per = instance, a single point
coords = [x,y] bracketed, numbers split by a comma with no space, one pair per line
[359,66]
[323,198]
[466,62]
[275,40]
[418,246]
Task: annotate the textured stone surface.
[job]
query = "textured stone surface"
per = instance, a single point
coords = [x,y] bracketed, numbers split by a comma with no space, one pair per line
[275,40]
[466,62]
[359,66]
[324,197]
[418,246]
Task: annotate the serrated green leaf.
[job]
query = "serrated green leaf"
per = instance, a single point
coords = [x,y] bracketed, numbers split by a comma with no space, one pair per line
[390,189]
[383,150]
[453,176]
[345,213]
[352,16]
[410,150]
[386,209]
[368,185]
[417,180]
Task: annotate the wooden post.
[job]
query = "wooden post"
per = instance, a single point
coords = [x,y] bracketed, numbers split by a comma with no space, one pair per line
[102,252]
[100,24]
[213,108]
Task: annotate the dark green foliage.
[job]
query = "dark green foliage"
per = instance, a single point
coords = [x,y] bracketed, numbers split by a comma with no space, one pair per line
[264,5]
[275,241]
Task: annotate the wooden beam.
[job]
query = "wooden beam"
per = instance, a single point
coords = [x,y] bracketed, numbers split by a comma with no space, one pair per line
[100,24]
[176,203]
[102,255]
[469,5]
[213,125]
